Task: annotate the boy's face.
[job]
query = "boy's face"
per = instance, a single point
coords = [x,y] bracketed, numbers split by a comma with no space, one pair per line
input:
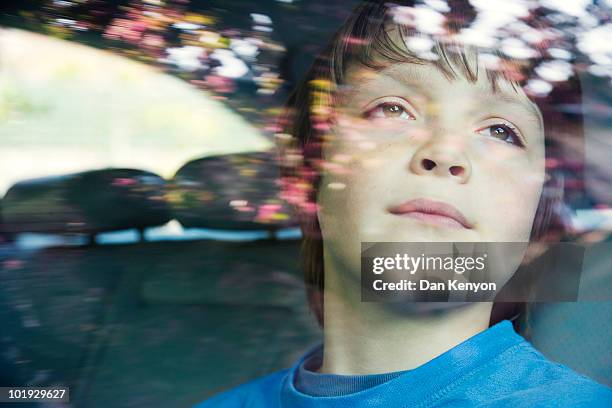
[416,157]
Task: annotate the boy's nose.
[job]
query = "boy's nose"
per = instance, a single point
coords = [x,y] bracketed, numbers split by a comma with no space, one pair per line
[442,159]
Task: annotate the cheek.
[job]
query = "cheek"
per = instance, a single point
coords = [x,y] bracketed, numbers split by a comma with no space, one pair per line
[346,199]
[359,168]
[351,210]
[514,193]
[339,218]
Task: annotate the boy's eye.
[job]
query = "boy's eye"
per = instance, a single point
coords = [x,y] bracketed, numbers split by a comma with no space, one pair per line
[504,132]
[389,110]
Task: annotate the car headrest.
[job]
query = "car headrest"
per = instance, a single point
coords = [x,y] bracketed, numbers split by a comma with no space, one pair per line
[87,202]
[230,192]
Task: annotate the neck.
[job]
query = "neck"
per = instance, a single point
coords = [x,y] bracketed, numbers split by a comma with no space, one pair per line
[371,338]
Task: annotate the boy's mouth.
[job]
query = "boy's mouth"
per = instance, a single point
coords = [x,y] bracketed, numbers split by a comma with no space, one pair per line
[433,212]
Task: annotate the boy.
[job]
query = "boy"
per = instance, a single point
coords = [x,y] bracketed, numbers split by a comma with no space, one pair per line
[395,145]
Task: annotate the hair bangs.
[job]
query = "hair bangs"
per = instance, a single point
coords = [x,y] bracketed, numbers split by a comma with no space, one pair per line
[373,38]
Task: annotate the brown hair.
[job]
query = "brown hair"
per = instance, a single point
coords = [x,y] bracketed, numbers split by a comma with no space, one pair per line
[364,39]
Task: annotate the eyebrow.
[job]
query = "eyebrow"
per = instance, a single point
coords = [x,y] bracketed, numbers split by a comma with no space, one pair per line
[410,76]
[523,103]
[413,77]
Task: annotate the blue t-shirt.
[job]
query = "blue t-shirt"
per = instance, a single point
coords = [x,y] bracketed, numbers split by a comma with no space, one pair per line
[495,368]
[309,381]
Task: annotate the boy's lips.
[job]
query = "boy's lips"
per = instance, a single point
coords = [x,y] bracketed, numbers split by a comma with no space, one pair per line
[435,212]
